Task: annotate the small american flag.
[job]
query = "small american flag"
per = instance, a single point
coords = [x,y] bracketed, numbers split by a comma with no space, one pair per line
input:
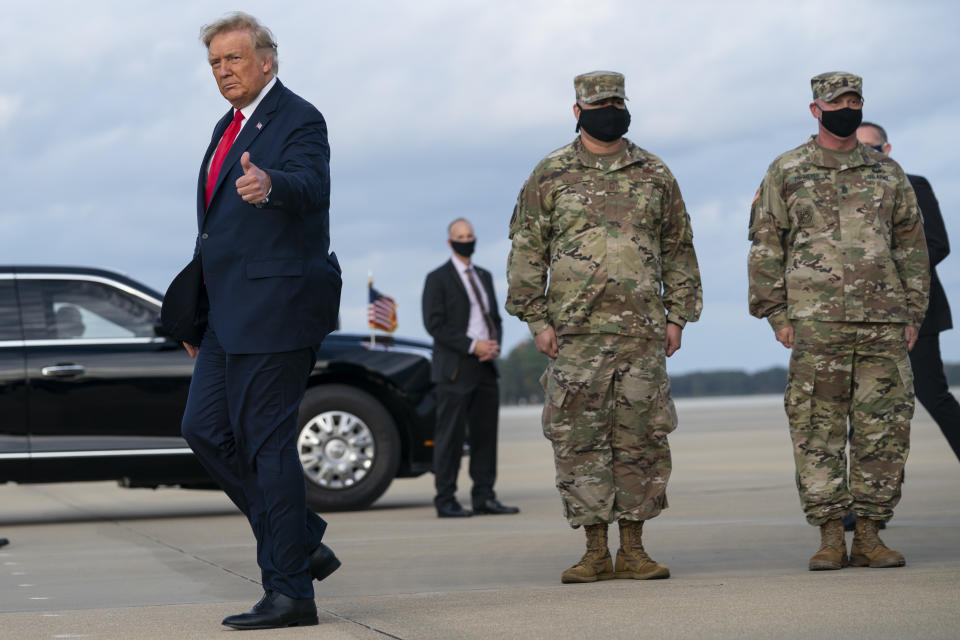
[382,310]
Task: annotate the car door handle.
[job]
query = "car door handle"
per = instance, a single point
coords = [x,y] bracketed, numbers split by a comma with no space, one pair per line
[63,370]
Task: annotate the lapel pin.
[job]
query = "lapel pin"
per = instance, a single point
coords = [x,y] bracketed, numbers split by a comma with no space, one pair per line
[259,126]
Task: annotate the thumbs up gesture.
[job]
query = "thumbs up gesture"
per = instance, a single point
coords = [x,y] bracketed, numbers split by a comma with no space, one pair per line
[254,185]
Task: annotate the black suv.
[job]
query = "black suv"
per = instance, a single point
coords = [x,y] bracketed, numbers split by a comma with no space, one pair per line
[91,390]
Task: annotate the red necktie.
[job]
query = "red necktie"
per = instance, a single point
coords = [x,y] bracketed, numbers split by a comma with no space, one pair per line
[225,142]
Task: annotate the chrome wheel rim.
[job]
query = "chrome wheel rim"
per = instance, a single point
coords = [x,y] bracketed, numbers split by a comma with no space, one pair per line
[336,449]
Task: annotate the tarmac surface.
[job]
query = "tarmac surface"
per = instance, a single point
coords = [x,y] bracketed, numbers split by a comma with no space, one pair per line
[97,561]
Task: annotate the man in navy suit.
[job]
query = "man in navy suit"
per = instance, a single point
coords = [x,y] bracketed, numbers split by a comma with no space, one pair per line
[460,312]
[263,215]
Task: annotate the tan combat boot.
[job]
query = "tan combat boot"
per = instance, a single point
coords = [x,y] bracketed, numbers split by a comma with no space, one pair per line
[833,547]
[868,549]
[595,563]
[632,561]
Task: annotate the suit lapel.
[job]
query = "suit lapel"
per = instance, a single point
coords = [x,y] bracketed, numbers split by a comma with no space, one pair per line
[454,275]
[251,129]
[487,279]
[202,181]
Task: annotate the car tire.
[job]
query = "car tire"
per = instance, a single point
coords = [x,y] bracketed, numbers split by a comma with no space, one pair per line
[349,447]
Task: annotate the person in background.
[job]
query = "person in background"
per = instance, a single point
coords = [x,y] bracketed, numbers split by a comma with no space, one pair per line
[460,313]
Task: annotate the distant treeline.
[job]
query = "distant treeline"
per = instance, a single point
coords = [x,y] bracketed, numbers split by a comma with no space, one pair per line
[521,369]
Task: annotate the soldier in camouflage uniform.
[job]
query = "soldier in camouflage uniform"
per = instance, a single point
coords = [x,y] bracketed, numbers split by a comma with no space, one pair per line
[606,220]
[839,267]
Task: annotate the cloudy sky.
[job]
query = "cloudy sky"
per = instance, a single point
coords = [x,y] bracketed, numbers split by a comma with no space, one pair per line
[440,109]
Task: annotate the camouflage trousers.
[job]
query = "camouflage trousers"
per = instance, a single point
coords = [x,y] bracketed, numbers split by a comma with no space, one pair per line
[860,372]
[607,413]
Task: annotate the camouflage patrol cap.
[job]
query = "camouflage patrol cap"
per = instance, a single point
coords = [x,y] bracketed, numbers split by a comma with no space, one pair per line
[828,86]
[597,85]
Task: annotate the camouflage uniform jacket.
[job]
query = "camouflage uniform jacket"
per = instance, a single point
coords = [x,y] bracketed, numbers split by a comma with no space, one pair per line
[837,237]
[615,235]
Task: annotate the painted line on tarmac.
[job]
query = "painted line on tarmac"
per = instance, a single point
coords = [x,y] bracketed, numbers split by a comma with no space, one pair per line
[211,563]
[186,553]
[123,525]
[362,624]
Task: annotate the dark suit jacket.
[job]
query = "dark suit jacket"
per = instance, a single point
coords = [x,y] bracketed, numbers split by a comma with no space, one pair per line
[270,282]
[446,315]
[938,246]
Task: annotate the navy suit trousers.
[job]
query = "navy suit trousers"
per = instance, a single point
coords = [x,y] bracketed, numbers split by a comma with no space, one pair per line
[241,421]
[467,408]
[932,389]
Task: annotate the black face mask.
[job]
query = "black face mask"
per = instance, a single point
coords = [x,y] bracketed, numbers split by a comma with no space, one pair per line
[464,249]
[842,122]
[606,124]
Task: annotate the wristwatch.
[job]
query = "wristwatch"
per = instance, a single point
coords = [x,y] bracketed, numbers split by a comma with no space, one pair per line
[265,200]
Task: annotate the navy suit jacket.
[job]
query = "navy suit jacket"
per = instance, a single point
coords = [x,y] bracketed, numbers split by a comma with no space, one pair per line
[270,282]
[938,246]
[446,315]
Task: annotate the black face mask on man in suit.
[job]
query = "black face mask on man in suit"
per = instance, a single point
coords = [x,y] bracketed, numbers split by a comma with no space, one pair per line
[464,249]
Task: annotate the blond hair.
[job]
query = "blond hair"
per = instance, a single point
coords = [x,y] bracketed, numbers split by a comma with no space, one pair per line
[260,36]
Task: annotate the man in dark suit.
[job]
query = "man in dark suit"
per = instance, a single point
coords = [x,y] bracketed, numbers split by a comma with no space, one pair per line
[929,381]
[263,215]
[460,312]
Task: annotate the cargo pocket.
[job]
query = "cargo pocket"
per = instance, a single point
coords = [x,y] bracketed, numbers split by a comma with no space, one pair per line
[906,379]
[554,396]
[665,420]
[798,397]
[906,374]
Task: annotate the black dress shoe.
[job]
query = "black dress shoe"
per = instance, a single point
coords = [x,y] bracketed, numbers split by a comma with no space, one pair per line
[276,611]
[256,608]
[323,562]
[452,510]
[4,542]
[493,507]
[266,598]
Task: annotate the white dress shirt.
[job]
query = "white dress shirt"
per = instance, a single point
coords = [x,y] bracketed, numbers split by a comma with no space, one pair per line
[477,327]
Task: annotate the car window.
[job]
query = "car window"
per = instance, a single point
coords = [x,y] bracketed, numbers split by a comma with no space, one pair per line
[80,309]
[9,313]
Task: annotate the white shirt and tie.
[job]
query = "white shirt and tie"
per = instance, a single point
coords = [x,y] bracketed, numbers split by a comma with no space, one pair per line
[248,110]
[477,328]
